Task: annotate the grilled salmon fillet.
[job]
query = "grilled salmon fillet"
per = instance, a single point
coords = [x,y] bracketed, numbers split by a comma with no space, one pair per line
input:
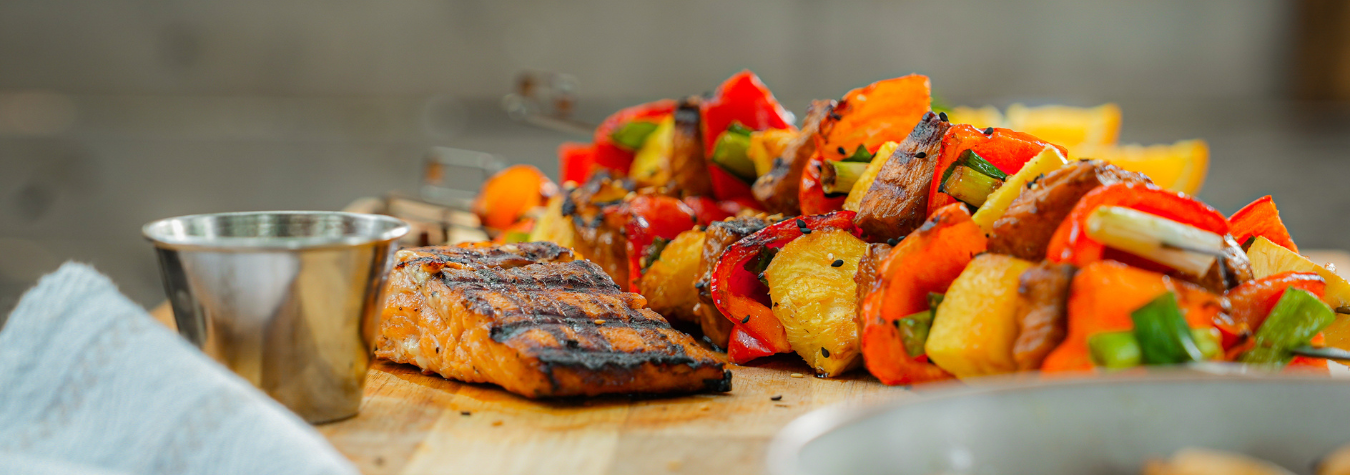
[529,319]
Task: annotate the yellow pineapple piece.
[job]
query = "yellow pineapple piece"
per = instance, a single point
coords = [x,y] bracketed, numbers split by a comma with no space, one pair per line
[651,163]
[997,203]
[869,175]
[975,326]
[553,227]
[669,283]
[815,300]
[1269,259]
[766,145]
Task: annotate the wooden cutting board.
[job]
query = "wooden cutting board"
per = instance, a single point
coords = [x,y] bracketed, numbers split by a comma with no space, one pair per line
[411,423]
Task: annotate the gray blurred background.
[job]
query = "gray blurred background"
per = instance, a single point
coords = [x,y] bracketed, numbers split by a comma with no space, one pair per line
[115,113]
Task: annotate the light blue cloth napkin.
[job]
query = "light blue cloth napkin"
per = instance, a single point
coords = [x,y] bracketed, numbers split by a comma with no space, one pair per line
[91,384]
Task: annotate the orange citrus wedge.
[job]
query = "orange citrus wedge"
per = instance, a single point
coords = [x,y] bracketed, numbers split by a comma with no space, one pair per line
[987,116]
[1179,167]
[1071,127]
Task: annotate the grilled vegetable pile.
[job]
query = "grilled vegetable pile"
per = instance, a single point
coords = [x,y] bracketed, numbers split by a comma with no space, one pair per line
[926,245]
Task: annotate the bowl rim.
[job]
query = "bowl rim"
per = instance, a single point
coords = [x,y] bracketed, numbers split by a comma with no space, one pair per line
[784,451]
[154,233]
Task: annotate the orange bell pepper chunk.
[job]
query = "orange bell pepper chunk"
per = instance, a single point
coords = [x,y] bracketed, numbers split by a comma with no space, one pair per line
[1101,299]
[1071,244]
[1006,149]
[928,260]
[1261,218]
[508,194]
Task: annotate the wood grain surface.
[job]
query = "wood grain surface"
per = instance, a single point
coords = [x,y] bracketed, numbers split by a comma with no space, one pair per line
[412,423]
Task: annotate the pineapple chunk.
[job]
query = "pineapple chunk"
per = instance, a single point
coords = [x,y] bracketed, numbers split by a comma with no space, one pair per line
[669,283]
[997,204]
[869,175]
[975,326]
[1269,258]
[815,300]
[651,163]
[553,227]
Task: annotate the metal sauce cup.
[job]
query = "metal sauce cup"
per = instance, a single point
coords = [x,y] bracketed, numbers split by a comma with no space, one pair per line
[289,300]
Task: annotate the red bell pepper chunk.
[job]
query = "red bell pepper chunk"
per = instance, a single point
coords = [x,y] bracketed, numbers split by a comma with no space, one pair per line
[811,194]
[927,261]
[1261,218]
[744,347]
[742,98]
[611,156]
[738,292]
[1252,301]
[707,210]
[1006,149]
[576,161]
[1071,244]
[1307,364]
[650,217]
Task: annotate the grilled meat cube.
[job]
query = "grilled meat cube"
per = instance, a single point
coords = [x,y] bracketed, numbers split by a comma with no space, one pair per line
[1025,229]
[777,189]
[1042,319]
[597,223]
[688,166]
[541,330]
[718,237]
[897,202]
[869,272]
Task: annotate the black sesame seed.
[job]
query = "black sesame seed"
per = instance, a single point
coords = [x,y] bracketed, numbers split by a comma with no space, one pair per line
[805,230]
[465,413]
[843,151]
[920,155]
[777,398]
[824,352]
[896,322]
[745,320]
[943,116]
[837,263]
[989,131]
[892,241]
[700,284]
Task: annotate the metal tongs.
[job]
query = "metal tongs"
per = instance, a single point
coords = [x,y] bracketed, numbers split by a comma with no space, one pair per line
[546,99]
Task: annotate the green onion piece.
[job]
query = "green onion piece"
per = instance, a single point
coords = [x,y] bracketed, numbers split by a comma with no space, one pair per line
[971,159]
[840,176]
[1208,343]
[1297,317]
[632,135]
[1180,246]
[935,299]
[914,331]
[1163,335]
[761,262]
[1115,350]
[969,185]
[861,155]
[729,152]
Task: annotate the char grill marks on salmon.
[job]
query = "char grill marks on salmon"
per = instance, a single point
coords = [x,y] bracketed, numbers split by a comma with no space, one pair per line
[897,202]
[778,188]
[548,329]
[1025,229]
[719,236]
[1042,319]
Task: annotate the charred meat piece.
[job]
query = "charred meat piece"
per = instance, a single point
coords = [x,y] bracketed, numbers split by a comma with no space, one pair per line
[1227,272]
[869,272]
[1025,229]
[778,188]
[897,202]
[595,210]
[688,166]
[717,238]
[540,330]
[1042,319]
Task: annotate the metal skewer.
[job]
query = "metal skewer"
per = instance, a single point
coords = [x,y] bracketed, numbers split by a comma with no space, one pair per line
[1327,352]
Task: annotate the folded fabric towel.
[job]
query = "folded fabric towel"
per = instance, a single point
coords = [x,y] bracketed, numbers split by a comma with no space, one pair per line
[89,383]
